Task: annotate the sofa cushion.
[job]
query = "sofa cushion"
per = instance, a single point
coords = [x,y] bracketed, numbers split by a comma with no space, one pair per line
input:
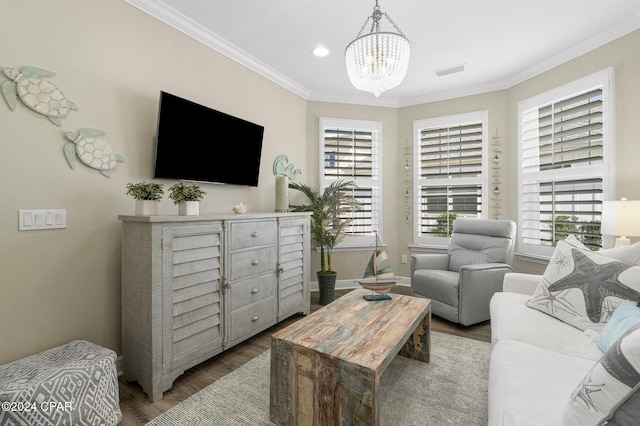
[624,317]
[583,288]
[609,384]
[530,382]
[512,319]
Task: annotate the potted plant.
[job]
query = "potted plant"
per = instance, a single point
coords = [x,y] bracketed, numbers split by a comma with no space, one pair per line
[328,224]
[147,196]
[187,197]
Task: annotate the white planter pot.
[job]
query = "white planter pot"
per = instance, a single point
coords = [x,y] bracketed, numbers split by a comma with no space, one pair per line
[146,208]
[189,208]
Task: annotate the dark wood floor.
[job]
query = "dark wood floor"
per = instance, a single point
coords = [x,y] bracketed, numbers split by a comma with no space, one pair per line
[138,410]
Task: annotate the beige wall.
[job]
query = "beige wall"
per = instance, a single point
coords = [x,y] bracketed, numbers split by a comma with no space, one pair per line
[113,60]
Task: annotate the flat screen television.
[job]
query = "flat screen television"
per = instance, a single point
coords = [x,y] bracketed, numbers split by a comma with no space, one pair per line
[197,143]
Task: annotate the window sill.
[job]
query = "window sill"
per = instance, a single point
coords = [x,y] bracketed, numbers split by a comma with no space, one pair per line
[533,258]
[424,248]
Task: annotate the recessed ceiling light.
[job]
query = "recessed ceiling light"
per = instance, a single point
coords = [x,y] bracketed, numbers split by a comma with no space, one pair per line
[320,51]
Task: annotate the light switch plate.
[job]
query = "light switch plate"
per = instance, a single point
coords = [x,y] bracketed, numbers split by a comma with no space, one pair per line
[32,220]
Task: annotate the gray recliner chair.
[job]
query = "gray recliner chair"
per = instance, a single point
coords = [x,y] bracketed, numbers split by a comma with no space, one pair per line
[461,282]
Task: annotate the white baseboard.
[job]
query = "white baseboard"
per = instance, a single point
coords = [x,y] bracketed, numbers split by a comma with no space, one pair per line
[351,284]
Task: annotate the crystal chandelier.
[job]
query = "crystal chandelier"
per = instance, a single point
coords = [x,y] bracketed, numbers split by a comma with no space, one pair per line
[377,61]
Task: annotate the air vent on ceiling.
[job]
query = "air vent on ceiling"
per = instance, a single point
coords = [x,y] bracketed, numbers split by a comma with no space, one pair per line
[449,70]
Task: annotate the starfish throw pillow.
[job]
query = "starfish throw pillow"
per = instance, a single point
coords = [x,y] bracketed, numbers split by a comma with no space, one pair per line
[609,391]
[583,288]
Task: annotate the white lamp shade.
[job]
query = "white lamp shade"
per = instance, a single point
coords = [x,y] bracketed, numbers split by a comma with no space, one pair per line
[621,218]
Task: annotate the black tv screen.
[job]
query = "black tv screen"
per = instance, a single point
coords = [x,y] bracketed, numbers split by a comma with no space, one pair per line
[197,143]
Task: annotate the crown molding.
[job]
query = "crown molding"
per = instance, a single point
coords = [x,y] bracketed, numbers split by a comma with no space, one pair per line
[182,23]
[188,26]
[575,51]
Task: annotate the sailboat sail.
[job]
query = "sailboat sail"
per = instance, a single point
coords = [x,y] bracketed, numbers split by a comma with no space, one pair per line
[378,275]
[379,266]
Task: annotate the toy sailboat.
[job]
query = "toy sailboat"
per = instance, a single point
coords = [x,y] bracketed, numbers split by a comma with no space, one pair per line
[378,275]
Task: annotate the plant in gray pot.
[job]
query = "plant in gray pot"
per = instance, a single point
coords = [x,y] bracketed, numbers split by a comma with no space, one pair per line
[328,222]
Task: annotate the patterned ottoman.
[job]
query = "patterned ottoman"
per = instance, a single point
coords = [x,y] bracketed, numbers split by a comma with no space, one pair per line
[72,384]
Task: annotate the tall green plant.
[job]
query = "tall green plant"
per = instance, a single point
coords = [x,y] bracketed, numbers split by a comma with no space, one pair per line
[328,219]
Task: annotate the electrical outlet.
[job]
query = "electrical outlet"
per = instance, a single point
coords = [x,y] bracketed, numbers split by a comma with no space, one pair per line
[404,258]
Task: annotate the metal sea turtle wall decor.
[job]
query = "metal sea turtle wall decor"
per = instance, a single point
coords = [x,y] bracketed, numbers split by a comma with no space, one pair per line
[40,95]
[91,150]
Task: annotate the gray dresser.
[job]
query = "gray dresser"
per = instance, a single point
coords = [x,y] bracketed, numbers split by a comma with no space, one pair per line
[193,286]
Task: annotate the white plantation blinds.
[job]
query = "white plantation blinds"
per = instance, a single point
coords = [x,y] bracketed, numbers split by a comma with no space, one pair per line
[564,134]
[449,154]
[563,172]
[349,152]
[451,151]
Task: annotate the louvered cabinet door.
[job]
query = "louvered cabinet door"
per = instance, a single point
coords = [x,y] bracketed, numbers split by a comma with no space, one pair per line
[192,310]
[293,266]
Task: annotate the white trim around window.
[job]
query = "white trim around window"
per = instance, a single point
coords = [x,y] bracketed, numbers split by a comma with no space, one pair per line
[351,150]
[566,163]
[450,174]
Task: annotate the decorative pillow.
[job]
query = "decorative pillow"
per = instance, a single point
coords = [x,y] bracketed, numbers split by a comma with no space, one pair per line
[583,288]
[610,386]
[624,317]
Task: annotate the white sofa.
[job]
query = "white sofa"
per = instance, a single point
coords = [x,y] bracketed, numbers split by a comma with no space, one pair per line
[537,361]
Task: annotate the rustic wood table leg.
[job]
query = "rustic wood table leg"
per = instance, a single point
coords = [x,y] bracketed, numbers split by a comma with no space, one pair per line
[359,389]
[281,406]
[419,344]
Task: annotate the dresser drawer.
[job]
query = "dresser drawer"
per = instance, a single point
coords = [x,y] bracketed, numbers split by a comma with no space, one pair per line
[252,262]
[253,318]
[252,234]
[253,290]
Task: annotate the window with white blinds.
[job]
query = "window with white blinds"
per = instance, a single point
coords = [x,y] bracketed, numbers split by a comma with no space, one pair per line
[565,164]
[450,173]
[349,151]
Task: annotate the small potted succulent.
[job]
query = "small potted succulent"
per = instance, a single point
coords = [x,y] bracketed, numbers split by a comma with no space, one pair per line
[187,197]
[147,196]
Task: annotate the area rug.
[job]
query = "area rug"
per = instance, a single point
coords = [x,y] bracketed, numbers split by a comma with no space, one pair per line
[450,390]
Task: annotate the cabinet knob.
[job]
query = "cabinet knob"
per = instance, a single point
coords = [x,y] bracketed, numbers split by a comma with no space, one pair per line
[254,290]
[254,318]
[254,234]
[254,262]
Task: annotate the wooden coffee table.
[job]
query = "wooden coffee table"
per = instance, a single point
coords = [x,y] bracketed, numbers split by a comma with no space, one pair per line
[326,367]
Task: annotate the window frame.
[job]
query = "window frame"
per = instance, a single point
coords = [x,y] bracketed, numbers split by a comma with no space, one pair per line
[483,179]
[606,170]
[357,242]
